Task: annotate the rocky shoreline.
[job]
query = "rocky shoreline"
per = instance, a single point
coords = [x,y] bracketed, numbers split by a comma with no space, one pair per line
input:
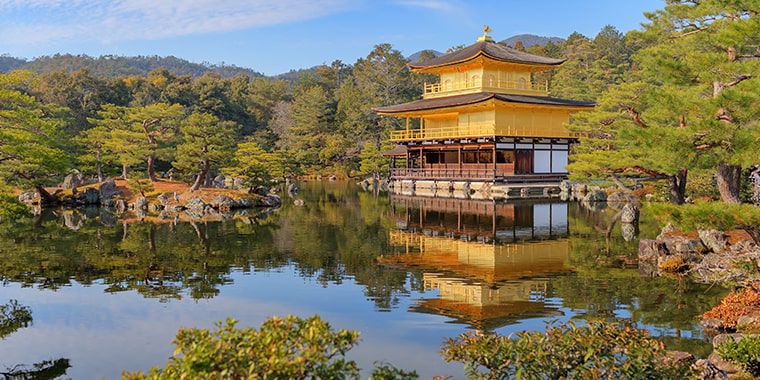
[729,258]
[115,204]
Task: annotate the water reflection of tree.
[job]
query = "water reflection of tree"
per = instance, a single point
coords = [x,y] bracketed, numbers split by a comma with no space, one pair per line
[14,316]
[335,237]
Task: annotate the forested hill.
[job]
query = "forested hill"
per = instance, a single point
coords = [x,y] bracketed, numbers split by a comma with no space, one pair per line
[529,40]
[112,66]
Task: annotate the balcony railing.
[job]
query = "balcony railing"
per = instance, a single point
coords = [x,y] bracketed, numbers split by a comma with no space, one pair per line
[500,86]
[459,131]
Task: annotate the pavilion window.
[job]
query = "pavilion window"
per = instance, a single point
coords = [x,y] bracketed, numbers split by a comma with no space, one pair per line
[505,156]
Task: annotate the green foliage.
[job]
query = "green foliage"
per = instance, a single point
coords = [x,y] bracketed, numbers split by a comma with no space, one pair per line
[32,142]
[11,208]
[13,316]
[595,351]
[283,348]
[138,183]
[745,353]
[702,215]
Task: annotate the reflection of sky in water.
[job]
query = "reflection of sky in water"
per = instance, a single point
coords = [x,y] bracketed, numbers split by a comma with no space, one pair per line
[104,333]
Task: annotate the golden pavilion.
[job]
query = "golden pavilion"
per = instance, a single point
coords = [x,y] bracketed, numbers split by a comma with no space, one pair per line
[485,126]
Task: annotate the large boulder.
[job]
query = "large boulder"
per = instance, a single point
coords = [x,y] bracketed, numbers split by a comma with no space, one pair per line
[619,199]
[195,208]
[165,199]
[595,196]
[713,239]
[108,190]
[271,200]
[629,214]
[90,196]
[223,202]
[72,180]
[141,203]
[29,197]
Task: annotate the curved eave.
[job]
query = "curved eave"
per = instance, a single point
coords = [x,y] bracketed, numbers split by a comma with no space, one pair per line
[431,104]
[489,49]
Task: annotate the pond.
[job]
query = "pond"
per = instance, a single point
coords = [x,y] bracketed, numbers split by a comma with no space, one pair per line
[405,272]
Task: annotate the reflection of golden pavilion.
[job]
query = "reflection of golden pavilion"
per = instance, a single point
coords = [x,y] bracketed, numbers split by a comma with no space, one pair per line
[489,268]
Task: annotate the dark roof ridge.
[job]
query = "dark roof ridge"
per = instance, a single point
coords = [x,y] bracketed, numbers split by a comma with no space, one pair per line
[494,50]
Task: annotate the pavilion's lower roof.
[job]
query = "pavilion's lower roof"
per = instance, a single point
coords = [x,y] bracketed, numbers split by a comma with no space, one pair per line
[468,99]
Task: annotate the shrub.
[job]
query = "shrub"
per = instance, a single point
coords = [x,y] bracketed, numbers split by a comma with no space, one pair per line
[745,353]
[283,348]
[595,351]
[734,306]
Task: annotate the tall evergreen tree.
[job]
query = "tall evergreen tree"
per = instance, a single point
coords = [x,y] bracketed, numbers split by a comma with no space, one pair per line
[32,144]
[691,100]
[206,142]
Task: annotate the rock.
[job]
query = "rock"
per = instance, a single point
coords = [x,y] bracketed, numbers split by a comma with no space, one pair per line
[155,207]
[629,231]
[629,214]
[677,243]
[578,190]
[218,181]
[595,196]
[120,206]
[649,255]
[243,203]
[679,357]
[271,200]
[108,190]
[714,240]
[89,196]
[73,221]
[223,202]
[141,203]
[261,190]
[72,180]
[565,186]
[299,202]
[709,371]
[619,199]
[165,199]
[714,324]
[29,197]
[195,207]
[748,322]
[107,218]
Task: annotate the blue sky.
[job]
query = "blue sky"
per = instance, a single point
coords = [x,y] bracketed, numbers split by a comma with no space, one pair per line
[274,36]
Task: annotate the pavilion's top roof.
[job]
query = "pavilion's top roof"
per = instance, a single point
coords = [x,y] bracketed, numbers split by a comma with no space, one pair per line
[486,46]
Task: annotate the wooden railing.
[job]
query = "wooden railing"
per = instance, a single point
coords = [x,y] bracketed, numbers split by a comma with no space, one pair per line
[444,174]
[459,131]
[473,174]
[467,86]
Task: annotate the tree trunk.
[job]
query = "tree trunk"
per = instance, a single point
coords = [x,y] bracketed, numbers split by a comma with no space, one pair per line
[124,171]
[45,197]
[152,168]
[729,181]
[677,185]
[101,177]
[200,178]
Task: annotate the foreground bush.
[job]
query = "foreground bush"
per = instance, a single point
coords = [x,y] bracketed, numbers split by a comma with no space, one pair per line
[744,353]
[595,351]
[283,348]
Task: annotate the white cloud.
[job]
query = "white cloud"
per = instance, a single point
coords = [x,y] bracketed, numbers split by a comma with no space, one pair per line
[44,21]
[437,5]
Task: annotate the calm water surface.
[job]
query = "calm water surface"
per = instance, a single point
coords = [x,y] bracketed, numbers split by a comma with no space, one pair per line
[405,272]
